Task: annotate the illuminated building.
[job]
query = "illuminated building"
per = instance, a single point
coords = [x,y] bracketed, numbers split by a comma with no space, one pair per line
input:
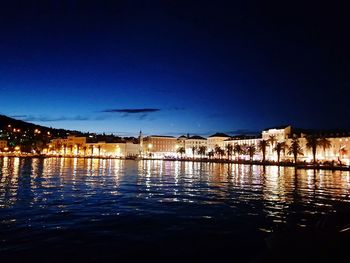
[160,146]
[280,134]
[166,146]
[217,139]
[77,146]
[193,143]
[124,149]
[181,140]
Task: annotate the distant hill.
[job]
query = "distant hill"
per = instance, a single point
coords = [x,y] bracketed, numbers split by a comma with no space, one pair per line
[18,132]
[5,121]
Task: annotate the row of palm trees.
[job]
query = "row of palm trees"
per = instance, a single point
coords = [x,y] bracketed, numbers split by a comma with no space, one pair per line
[294,149]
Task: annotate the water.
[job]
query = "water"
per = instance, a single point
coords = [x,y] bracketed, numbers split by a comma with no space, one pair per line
[96,210]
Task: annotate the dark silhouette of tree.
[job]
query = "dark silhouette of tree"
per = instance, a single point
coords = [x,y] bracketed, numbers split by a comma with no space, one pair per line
[194,148]
[222,153]
[217,150]
[262,147]
[280,146]
[78,148]
[84,150]
[99,150]
[211,154]
[71,149]
[229,150]
[271,140]
[64,149]
[202,150]
[181,151]
[237,149]
[251,150]
[58,147]
[325,144]
[295,149]
[92,150]
[312,143]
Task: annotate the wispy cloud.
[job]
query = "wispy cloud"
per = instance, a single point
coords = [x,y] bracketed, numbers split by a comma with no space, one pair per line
[139,113]
[32,118]
[132,111]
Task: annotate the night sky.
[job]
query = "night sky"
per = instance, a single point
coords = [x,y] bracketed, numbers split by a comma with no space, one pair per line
[173,67]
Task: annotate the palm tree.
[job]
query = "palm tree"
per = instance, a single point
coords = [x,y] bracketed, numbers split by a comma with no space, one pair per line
[181,151]
[325,144]
[78,148]
[271,140]
[229,149]
[312,143]
[237,149]
[251,150]
[245,149]
[211,154]
[99,150]
[194,148]
[92,150]
[262,147]
[217,150]
[84,149]
[222,153]
[202,150]
[295,149]
[64,149]
[280,146]
[58,147]
[71,149]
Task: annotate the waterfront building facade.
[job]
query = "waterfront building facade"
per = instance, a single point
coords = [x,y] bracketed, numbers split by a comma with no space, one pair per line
[70,145]
[166,146]
[337,152]
[217,139]
[160,146]
[182,140]
[77,146]
[193,143]
[244,141]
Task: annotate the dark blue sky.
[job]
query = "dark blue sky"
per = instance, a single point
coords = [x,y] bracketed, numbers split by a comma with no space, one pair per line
[172,67]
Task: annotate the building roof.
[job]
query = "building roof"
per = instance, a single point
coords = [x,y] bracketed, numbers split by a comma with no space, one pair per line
[182,137]
[244,137]
[196,137]
[277,127]
[219,134]
[162,136]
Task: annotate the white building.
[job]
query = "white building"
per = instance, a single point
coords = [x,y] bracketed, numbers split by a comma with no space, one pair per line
[217,139]
[193,143]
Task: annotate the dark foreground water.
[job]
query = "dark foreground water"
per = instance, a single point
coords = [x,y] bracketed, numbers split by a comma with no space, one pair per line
[84,210]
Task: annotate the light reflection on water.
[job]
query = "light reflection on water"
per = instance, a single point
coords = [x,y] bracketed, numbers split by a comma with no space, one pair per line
[42,194]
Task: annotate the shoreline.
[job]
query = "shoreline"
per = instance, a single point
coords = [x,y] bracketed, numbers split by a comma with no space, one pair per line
[297,166]
[224,161]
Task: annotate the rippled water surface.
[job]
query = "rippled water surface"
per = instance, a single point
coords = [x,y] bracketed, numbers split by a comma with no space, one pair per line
[100,210]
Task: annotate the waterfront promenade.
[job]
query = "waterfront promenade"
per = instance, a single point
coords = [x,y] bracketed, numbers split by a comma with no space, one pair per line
[299,165]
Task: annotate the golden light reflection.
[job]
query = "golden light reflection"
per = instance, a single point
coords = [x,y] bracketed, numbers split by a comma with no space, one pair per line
[275,188]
